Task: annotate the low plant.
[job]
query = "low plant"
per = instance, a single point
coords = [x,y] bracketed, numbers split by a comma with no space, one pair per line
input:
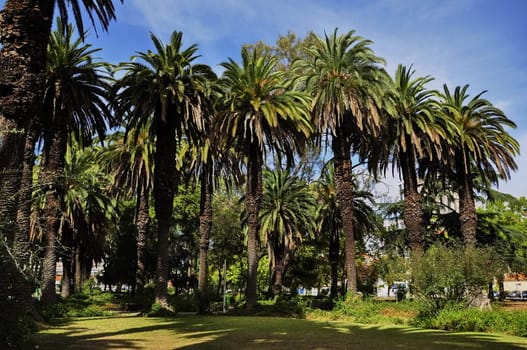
[16,326]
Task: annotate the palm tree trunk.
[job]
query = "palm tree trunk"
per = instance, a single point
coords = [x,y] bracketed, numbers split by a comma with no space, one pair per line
[252,201]
[334,249]
[51,177]
[164,188]
[26,25]
[22,279]
[77,273]
[11,168]
[345,193]
[65,283]
[467,206]
[205,226]
[412,202]
[142,218]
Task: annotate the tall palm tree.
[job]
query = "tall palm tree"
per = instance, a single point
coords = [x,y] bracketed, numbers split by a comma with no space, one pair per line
[74,101]
[287,216]
[343,75]
[414,135]
[130,160]
[261,111]
[26,26]
[170,88]
[214,165]
[482,147]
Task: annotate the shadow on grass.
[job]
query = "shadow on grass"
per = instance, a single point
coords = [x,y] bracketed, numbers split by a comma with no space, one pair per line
[225,332]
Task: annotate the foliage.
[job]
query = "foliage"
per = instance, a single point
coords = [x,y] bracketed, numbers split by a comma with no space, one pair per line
[369,311]
[88,303]
[158,310]
[443,275]
[16,325]
[457,317]
[283,306]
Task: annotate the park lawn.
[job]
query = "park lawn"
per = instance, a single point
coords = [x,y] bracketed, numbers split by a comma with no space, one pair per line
[226,332]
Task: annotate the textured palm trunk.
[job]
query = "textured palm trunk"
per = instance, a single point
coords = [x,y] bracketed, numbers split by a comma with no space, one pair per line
[141,222]
[467,206]
[11,168]
[26,25]
[205,227]
[412,202]
[77,268]
[345,193]
[283,259]
[22,279]
[164,188]
[334,249]
[65,283]
[253,199]
[51,177]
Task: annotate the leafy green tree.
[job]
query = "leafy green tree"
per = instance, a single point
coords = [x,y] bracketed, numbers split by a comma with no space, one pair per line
[502,225]
[228,240]
[74,102]
[286,216]
[481,146]
[169,87]
[262,111]
[342,74]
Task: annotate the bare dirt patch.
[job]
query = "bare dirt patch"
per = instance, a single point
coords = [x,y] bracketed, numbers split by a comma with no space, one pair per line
[513,305]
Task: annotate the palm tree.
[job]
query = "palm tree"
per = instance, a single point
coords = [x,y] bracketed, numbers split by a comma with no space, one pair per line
[414,135]
[329,221]
[88,212]
[24,39]
[261,111]
[343,75]
[26,27]
[482,147]
[130,160]
[286,216]
[74,101]
[170,88]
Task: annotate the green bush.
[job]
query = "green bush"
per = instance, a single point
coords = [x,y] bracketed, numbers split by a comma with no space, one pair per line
[90,303]
[157,310]
[16,326]
[184,302]
[443,275]
[372,311]
[459,318]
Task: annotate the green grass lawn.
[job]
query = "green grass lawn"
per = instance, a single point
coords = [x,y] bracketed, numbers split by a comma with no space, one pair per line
[226,332]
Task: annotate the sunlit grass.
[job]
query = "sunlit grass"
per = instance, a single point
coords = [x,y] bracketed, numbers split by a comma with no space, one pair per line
[224,332]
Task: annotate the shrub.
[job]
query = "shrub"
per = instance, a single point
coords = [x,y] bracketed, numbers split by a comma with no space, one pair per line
[16,326]
[444,275]
[157,310]
[457,317]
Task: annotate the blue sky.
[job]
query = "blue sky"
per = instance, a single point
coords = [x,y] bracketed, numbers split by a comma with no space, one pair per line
[458,42]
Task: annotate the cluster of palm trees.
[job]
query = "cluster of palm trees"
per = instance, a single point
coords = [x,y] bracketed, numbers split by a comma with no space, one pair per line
[335,95]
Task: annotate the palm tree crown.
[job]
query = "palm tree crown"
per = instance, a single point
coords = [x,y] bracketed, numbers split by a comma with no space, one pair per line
[261,109]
